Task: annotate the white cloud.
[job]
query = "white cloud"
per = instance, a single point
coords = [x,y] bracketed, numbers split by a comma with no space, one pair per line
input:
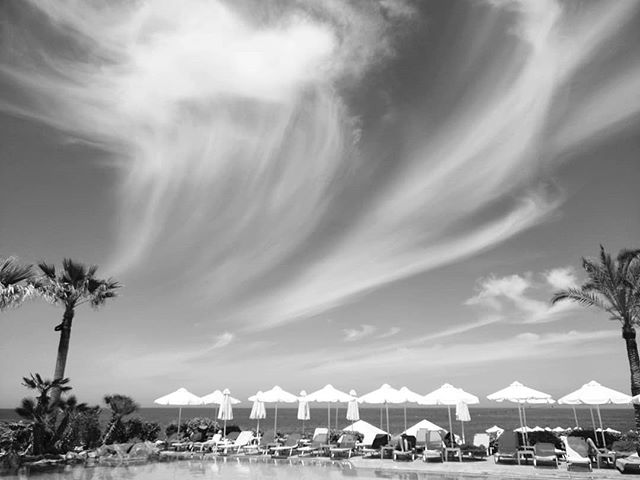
[353,334]
[390,333]
[561,278]
[223,340]
[511,299]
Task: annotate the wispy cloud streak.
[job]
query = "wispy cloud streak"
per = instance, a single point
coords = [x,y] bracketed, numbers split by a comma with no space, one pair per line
[240,151]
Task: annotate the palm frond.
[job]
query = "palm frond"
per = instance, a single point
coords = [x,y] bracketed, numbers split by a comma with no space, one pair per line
[577,295]
[13,273]
[48,271]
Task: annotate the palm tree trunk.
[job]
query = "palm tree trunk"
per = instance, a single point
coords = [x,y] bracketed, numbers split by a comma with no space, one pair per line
[629,335]
[63,348]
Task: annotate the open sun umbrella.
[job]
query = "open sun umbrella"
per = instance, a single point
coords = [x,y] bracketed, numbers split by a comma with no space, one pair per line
[450,396]
[179,398]
[353,413]
[258,411]
[519,394]
[384,395]
[329,394]
[225,412]
[593,393]
[276,395]
[303,408]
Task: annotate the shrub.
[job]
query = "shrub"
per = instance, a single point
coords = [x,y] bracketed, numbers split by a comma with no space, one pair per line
[139,429]
[15,436]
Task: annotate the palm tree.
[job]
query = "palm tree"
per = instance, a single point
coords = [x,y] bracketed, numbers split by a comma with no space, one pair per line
[614,286]
[15,282]
[42,410]
[121,406]
[73,286]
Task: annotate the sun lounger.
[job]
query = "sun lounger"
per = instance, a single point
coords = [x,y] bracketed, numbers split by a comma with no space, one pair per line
[286,450]
[345,448]
[320,438]
[434,447]
[374,451]
[577,452]
[545,454]
[243,439]
[507,448]
[630,464]
[481,440]
[208,445]
[421,439]
[602,454]
[405,448]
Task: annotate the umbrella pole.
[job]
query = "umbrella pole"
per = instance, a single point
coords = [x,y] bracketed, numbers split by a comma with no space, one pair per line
[450,426]
[604,442]
[381,425]
[258,429]
[593,422]
[224,431]
[387,408]
[520,417]
[462,427]
[179,419]
[405,417]
[275,423]
[524,417]
[329,419]
[575,416]
[336,417]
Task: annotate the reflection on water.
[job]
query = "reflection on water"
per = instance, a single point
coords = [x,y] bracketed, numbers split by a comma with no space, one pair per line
[231,469]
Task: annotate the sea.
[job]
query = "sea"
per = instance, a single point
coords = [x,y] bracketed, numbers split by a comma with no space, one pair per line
[621,419]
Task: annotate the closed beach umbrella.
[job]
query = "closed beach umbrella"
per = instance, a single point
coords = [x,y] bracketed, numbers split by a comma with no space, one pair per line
[384,395]
[450,396]
[593,393]
[258,411]
[409,397]
[462,415]
[353,413]
[329,394]
[225,412]
[519,394]
[276,395]
[179,398]
[304,412]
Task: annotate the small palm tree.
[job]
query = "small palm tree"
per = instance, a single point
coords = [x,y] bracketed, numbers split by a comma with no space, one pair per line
[15,283]
[614,286]
[73,286]
[42,411]
[121,406]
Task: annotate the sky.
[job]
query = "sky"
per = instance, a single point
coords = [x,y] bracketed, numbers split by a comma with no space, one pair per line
[303,192]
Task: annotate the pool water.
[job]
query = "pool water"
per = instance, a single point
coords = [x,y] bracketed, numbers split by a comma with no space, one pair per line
[230,469]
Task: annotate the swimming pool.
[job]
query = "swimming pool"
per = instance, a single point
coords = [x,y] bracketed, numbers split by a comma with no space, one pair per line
[229,469]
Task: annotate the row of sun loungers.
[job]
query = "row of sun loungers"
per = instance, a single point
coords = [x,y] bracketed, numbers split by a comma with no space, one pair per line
[578,453]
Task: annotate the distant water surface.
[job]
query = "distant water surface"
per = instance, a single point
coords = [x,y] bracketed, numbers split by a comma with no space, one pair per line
[481,417]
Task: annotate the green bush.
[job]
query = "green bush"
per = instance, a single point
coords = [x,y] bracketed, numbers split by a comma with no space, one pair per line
[139,429]
[15,436]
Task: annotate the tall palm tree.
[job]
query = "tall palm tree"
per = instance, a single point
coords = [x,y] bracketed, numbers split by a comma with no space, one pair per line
[121,406]
[614,286]
[73,286]
[15,282]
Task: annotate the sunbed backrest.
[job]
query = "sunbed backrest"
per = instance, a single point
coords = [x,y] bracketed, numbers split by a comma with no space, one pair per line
[320,439]
[434,440]
[245,437]
[481,440]
[543,449]
[380,440]
[507,443]
[578,445]
[421,436]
